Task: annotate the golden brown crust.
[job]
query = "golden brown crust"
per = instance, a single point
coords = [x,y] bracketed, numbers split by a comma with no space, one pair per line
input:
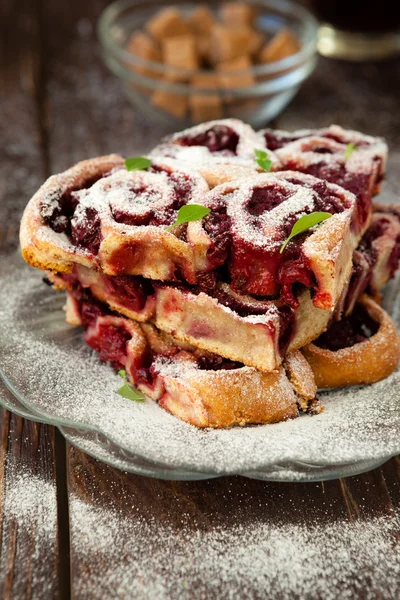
[217,167]
[366,362]
[151,251]
[213,399]
[301,377]
[208,397]
[203,322]
[40,246]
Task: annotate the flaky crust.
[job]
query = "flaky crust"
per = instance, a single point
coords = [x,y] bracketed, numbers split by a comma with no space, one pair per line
[40,246]
[211,398]
[328,249]
[150,251]
[366,362]
[202,321]
[217,167]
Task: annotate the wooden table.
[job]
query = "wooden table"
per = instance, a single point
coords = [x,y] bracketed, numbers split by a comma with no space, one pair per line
[73,526]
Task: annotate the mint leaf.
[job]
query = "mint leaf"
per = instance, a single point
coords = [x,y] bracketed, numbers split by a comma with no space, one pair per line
[304,223]
[262,160]
[190,212]
[349,149]
[137,163]
[127,390]
[122,373]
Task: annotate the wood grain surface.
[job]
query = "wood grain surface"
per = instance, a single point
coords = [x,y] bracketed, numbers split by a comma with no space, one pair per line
[59,104]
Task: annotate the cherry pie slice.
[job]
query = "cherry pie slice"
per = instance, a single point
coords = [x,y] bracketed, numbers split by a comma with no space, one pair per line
[99,215]
[220,150]
[254,332]
[250,219]
[348,158]
[200,388]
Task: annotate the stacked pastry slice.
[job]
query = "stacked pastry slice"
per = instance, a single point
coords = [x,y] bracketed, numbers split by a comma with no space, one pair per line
[207,316]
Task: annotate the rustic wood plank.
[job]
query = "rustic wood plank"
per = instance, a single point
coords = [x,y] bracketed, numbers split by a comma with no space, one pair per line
[29,546]
[231,537]
[29,532]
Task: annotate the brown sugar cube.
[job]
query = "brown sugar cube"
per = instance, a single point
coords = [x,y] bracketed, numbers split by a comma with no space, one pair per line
[256,42]
[283,44]
[236,73]
[204,47]
[208,106]
[167,23]
[181,53]
[174,104]
[201,20]
[230,42]
[142,45]
[237,13]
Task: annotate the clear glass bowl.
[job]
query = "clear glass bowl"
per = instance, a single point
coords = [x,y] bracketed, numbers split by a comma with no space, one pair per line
[50,375]
[276,83]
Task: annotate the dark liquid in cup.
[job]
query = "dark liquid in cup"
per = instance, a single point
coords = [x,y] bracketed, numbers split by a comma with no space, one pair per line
[359,16]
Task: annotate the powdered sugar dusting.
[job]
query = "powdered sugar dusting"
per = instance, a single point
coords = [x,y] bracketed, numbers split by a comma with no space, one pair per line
[31,501]
[143,556]
[29,527]
[268,229]
[222,162]
[305,150]
[174,368]
[58,376]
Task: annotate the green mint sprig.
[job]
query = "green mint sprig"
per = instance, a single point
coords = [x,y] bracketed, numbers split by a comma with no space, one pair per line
[304,223]
[262,160]
[190,212]
[127,390]
[349,150]
[137,163]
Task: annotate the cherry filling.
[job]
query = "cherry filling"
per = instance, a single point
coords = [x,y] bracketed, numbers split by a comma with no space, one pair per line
[275,140]
[217,139]
[57,212]
[63,215]
[111,340]
[359,184]
[349,331]
[287,327]
[265,199]
[217,224]
[131,290]
[261,269]
[140,205]
[86,228]
[366,256]
[360,278]
[213,362]
[153,208]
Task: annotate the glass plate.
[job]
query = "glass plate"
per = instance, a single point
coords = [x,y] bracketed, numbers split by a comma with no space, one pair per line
[51,376]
